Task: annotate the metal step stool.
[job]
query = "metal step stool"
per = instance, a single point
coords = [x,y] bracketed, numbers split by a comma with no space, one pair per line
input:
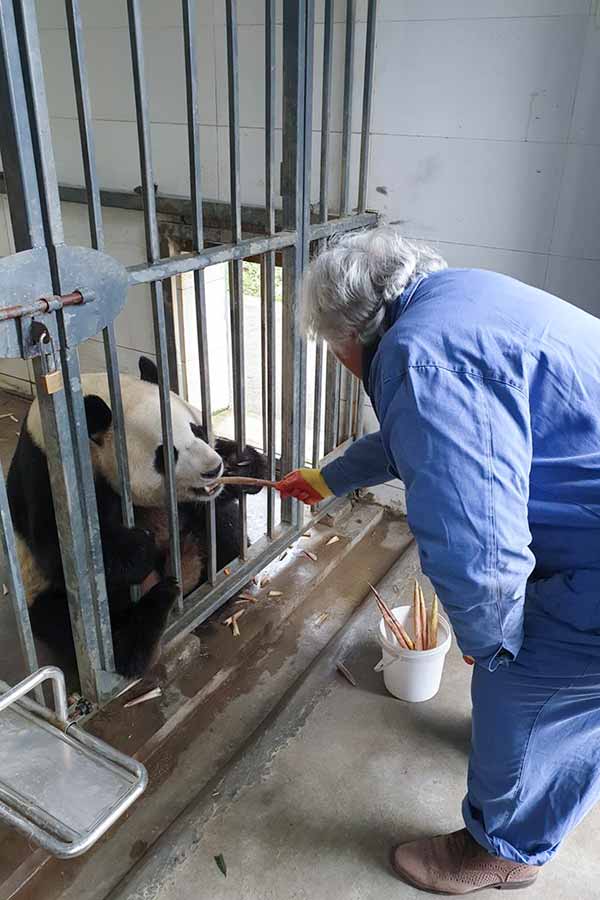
[59,786]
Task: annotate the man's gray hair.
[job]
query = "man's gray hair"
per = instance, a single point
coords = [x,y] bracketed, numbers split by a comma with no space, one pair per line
[349,284]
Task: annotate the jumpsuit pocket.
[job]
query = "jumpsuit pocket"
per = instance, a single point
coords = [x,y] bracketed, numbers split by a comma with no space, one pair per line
[571,597]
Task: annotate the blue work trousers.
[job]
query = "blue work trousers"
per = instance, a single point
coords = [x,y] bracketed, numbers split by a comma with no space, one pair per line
[534,770]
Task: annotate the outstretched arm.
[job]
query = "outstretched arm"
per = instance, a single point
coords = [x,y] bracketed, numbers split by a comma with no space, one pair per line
[364,464]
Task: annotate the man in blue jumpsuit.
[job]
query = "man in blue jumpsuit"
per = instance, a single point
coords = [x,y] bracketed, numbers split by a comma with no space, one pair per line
[487,392]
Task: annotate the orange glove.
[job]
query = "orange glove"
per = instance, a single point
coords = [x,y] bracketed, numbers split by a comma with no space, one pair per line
[307,485]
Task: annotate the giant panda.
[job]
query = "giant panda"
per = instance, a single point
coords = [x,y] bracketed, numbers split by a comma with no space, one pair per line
[132,556]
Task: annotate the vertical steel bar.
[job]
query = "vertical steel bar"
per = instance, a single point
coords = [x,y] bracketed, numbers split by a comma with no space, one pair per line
[332,403]
[325,111]
[152,249]
[236,296]
[264,377]
[169,293]
[358,425]
[37,212]
[193,122]
[268,260]
[331,398]
[84,115]
[347,111]
[316,443]
[298,36]
[15,588]
[365,135]
[349,410]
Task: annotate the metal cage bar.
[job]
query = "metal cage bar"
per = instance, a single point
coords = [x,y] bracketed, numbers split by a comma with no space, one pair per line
[236,294]
[15,587]
[193,121]
[36,216]
[86,136]
[98,618]
[365,133]
[326,111]
[298,36]
[152,249]
[267,281]
[333,374]
[317,404]
[347,113]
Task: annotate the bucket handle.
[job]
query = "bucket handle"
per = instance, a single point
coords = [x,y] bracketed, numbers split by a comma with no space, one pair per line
[381,665]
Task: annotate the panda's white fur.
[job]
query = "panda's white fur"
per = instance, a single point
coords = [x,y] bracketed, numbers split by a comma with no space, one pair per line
[143,430]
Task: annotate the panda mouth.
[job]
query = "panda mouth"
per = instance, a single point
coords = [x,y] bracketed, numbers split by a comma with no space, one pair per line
[207,491]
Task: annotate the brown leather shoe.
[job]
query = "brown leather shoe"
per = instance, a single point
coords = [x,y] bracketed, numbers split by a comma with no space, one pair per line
[456,864]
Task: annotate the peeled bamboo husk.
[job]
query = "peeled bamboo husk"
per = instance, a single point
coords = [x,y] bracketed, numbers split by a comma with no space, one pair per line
[416,614]
[433,623]
[423,613]
[241,480]
[398,631]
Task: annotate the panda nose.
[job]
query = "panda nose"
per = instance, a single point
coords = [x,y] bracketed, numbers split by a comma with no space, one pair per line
[213,473]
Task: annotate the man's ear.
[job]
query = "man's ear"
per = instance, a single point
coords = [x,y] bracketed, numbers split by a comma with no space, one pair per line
[99,417]
[148,370]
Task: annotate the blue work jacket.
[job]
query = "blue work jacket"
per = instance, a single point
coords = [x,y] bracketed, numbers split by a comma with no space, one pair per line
[487,392]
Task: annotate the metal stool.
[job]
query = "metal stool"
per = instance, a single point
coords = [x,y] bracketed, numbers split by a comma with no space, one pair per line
[59,786]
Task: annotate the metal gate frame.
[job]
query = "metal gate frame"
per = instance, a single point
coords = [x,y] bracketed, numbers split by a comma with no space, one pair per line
[57,270]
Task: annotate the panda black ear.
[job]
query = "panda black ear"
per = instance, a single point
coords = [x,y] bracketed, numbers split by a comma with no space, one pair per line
[98,415]
[148,370]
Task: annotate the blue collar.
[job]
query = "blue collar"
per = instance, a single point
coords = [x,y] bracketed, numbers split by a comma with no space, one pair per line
[393,312]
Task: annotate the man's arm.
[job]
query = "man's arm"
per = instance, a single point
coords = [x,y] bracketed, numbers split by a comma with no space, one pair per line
[364,464]
[462,445]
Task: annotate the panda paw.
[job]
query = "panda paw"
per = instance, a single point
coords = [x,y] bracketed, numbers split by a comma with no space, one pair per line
[137,642]
[130,557]
[247,462]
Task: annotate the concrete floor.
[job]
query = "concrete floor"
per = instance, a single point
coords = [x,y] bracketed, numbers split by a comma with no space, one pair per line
[313,805]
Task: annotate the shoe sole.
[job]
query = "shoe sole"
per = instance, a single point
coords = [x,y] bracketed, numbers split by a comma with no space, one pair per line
[503,886]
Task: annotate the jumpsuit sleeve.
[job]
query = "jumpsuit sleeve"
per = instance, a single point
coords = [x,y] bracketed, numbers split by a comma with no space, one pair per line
[364,464]
[462,445]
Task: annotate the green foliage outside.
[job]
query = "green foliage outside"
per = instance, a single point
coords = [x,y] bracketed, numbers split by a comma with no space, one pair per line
[251,278]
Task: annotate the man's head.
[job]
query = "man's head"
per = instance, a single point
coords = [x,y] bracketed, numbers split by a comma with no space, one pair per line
[349,284]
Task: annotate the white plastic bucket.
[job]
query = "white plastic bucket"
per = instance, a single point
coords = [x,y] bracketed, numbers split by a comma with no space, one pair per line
[413,675]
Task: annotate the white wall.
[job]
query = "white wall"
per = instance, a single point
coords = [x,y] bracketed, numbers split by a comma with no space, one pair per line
[485,131]
[486,135]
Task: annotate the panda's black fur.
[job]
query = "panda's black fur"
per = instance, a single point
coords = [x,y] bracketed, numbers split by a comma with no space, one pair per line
[130,555]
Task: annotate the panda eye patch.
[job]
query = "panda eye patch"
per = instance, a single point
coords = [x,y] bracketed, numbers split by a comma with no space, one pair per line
[198,431]
[160,458]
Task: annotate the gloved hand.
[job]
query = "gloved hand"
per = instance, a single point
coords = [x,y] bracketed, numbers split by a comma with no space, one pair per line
[307,485]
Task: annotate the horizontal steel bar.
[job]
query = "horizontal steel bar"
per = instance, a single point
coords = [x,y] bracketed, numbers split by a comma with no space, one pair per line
[216,213]
[346,223]
[190,262]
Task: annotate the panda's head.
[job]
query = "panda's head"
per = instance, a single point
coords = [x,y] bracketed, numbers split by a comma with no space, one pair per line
[197,465]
